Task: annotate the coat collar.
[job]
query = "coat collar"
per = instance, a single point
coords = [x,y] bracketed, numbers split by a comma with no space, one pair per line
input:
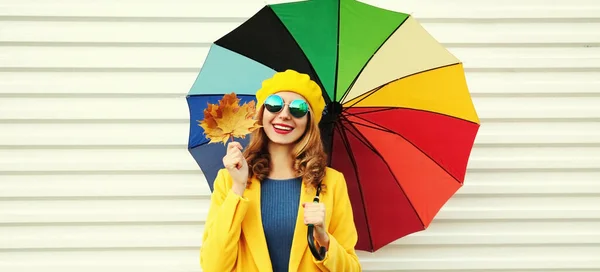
[254,232]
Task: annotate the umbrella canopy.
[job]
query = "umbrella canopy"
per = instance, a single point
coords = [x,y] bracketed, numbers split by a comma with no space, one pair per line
[399,122]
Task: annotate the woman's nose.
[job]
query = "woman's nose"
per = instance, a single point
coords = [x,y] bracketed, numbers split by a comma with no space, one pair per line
[284,113]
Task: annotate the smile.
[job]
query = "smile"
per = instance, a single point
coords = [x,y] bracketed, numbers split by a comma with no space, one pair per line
[282,129]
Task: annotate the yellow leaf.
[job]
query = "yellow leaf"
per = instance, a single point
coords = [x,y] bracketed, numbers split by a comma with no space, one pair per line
[228,119]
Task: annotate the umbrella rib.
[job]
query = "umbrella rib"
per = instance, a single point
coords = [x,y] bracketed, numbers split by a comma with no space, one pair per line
[389,169]
[378,109]
[346,144]
[385,129]
[387,83]
[373,126]
[374,109]
[360,137]
[371,57]
[337,52]
[366,143]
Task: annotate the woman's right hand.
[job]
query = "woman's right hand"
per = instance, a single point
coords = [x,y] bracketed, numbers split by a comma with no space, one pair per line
[236,165]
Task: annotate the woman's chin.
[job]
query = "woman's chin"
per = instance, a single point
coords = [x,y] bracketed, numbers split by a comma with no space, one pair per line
[281,139]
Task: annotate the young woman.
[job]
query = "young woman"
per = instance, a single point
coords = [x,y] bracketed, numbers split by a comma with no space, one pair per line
[262,199]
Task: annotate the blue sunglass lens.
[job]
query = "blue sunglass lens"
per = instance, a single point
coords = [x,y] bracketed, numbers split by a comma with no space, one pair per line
[274,103]
[298,108]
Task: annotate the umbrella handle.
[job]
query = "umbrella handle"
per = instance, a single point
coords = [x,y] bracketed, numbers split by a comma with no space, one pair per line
[318,254]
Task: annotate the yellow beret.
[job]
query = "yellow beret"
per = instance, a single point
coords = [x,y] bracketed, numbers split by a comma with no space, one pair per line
[299,83]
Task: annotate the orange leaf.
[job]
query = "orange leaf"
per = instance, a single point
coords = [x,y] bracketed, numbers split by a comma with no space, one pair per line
[229,119]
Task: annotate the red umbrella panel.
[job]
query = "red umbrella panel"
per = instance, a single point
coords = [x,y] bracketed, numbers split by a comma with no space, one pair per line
[404,148]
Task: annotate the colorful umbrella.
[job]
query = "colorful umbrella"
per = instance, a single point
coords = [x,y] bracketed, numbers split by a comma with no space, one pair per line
[399,123]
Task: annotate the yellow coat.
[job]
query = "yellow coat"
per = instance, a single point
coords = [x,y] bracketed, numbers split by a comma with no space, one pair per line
[234,240]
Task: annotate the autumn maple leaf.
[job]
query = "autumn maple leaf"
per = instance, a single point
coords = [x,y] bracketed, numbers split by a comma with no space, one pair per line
[228,119]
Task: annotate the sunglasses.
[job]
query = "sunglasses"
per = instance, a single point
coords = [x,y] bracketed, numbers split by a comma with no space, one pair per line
[298,108]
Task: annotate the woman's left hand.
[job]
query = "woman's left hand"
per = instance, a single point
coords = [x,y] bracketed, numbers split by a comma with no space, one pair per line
[314,213]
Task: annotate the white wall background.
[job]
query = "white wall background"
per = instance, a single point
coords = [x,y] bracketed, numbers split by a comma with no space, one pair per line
[95,175]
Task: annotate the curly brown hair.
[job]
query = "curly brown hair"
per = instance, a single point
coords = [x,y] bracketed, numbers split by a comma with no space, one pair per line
[308,153]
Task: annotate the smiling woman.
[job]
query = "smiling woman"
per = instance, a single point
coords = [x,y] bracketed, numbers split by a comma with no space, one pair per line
[285,126]
[261,204]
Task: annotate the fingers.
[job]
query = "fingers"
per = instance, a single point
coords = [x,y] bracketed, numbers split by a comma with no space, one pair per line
[316,221]
[311,206]
[234,158]
[314,213]
[233,146]
[233,162]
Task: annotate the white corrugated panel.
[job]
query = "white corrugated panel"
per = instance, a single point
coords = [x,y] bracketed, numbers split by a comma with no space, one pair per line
[95,176]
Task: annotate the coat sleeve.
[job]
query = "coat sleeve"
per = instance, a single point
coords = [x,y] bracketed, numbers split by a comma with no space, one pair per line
[223,227]
[343,236]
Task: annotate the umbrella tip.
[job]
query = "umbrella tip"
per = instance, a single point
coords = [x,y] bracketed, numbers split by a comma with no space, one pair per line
[331,112]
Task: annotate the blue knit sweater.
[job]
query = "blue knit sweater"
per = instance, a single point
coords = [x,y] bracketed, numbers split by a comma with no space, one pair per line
[279,201]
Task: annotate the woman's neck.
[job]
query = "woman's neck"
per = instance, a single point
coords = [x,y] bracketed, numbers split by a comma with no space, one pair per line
[281,161]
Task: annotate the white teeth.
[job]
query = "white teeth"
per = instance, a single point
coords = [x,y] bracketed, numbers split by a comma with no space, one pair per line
[282,127]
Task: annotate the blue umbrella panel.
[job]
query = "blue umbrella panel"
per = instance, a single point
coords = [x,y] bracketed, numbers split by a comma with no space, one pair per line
[224,71]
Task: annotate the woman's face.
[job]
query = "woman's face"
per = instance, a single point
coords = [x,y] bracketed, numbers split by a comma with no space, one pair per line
[283,127]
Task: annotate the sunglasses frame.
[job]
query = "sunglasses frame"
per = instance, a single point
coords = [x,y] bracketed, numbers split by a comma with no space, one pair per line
[282,104]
